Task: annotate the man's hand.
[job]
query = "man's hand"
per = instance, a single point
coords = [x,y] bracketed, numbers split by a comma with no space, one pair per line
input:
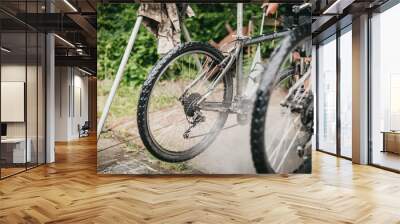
[296,56]
[270,8]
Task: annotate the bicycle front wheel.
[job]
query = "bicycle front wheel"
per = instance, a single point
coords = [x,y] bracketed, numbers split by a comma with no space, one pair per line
[278,135]
[171,123]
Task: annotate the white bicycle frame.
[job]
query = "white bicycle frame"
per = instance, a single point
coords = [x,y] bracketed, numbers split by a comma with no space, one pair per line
[227,64]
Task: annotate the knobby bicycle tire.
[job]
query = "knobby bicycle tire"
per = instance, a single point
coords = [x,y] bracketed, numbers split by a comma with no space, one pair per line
[263,94]
[142,115]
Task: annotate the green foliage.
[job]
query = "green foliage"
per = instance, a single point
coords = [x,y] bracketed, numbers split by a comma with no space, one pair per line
[115,22]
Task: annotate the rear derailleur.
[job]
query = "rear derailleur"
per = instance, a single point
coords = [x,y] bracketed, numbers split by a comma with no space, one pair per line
[197,118]
[192,112]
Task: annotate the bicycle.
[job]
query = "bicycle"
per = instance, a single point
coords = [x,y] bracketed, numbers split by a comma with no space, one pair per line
[294,114]
[204,98]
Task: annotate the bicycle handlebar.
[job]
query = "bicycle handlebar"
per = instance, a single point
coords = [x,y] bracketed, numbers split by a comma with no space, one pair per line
[299,8]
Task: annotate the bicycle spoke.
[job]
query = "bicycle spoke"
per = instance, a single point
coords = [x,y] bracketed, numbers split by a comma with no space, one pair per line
[283,139]
[288,149]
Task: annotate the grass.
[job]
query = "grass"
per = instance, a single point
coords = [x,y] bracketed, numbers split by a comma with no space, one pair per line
[126,100]
[124,103]
[182,166]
